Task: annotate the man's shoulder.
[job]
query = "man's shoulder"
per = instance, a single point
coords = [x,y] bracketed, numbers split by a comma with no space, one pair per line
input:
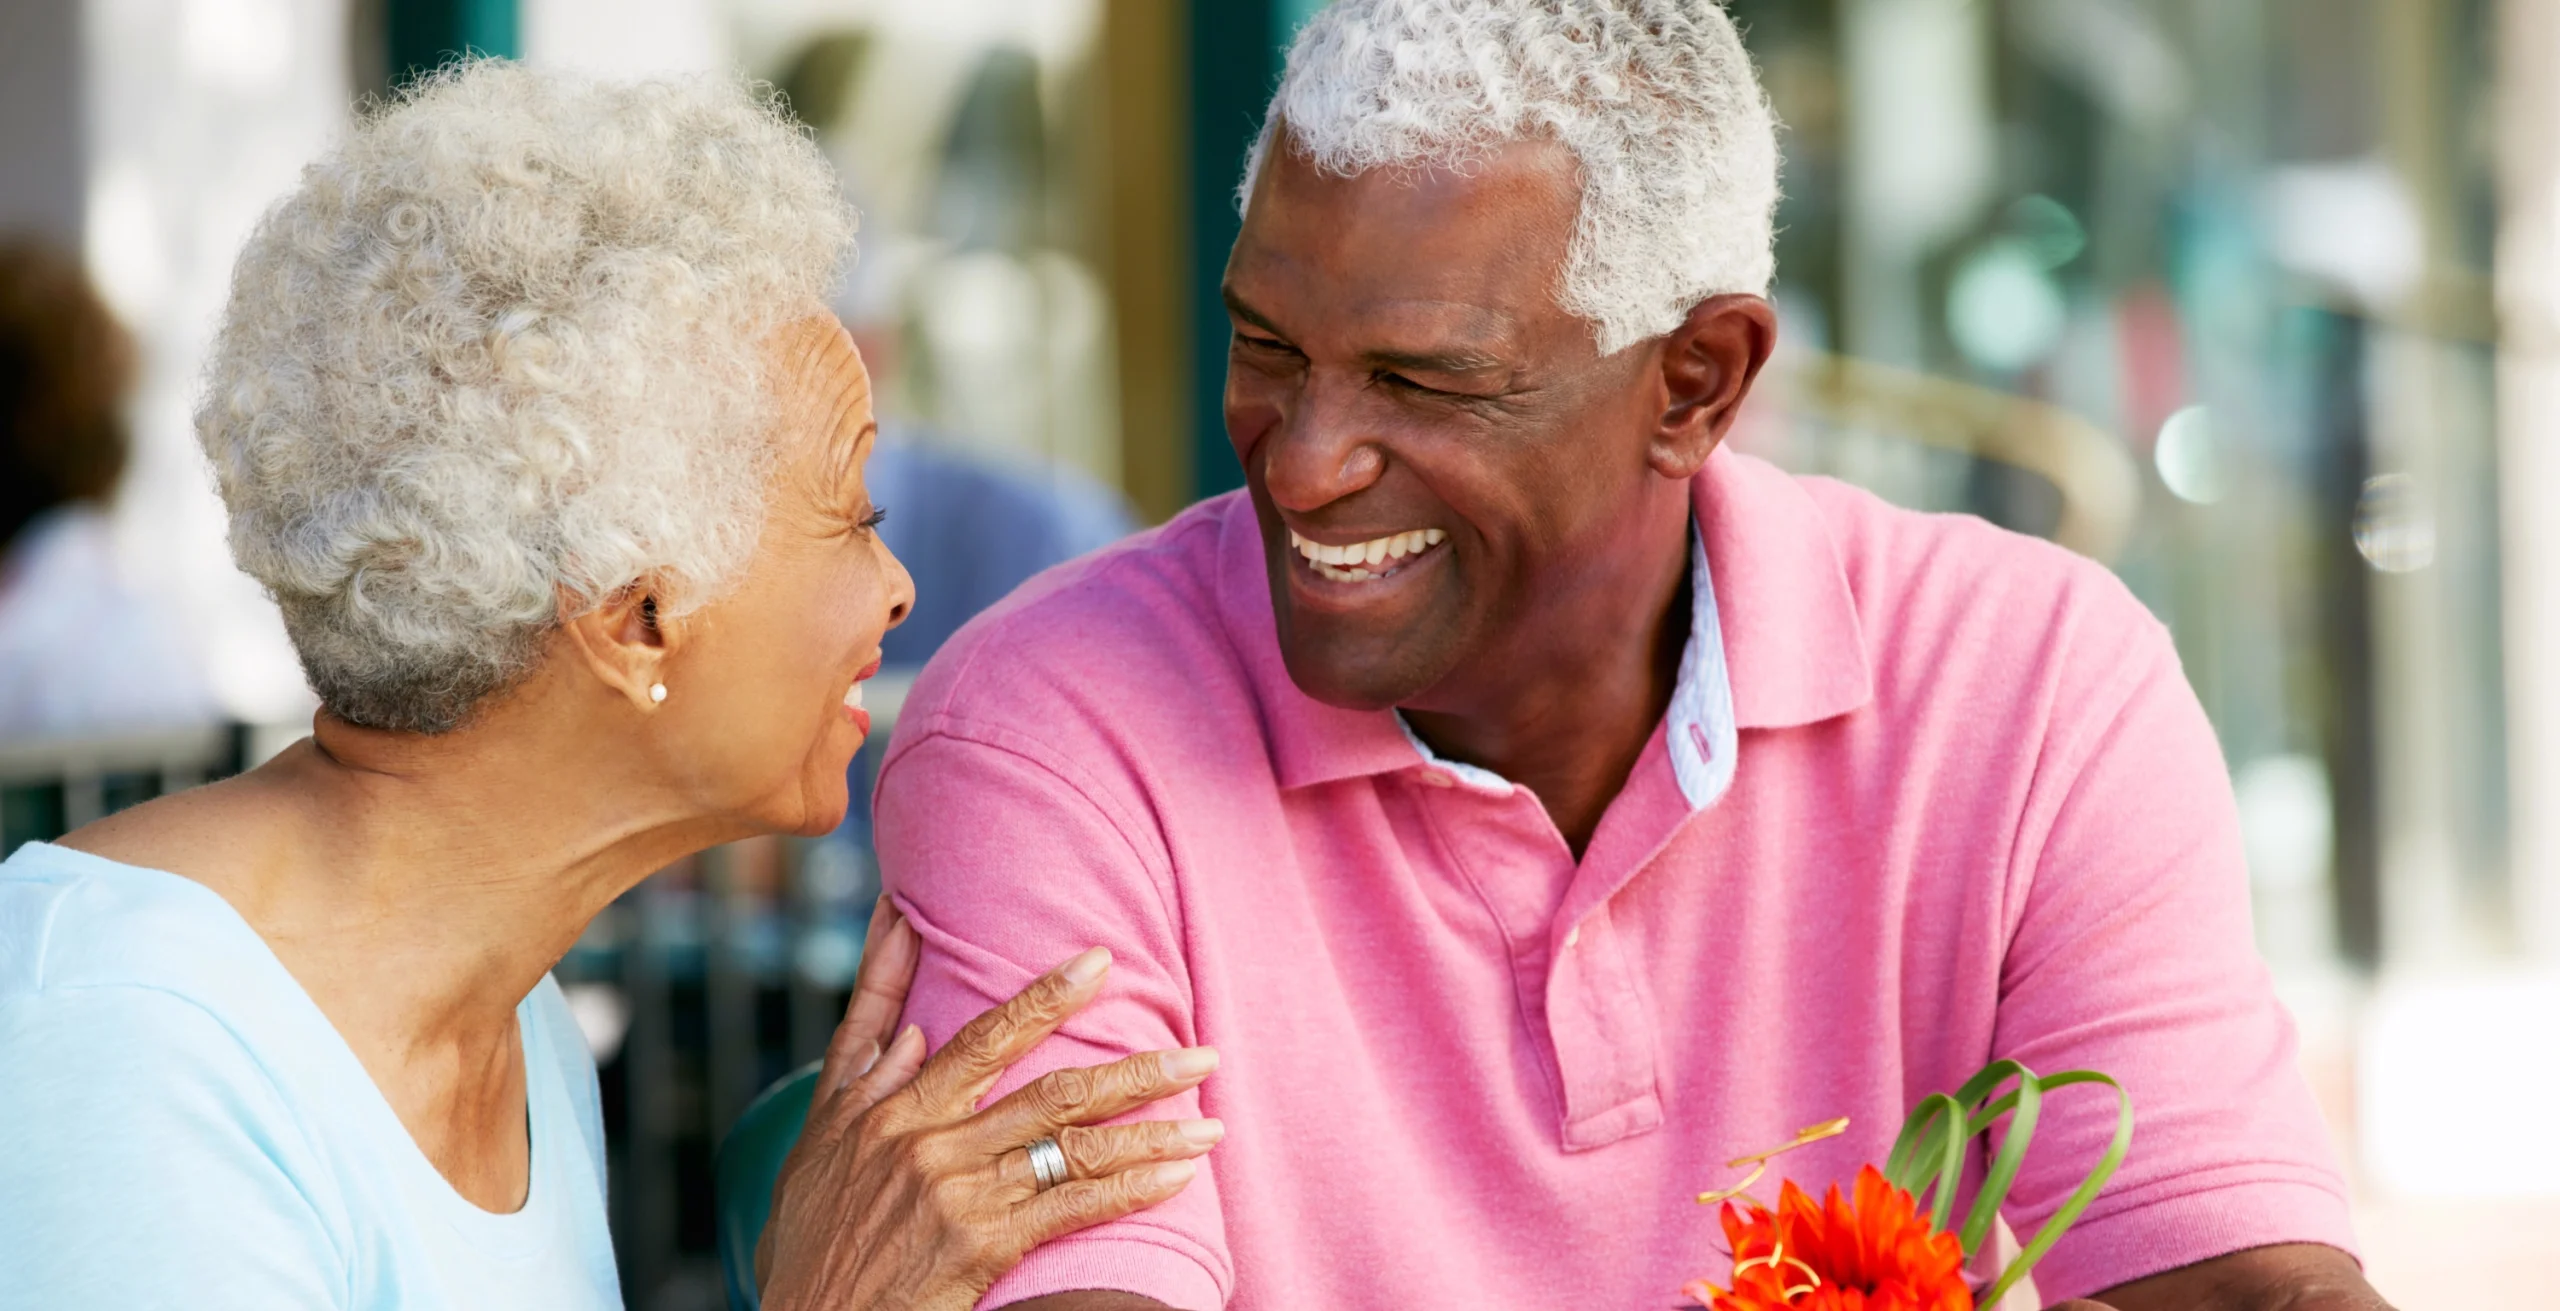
[1111,637]
[1912,571]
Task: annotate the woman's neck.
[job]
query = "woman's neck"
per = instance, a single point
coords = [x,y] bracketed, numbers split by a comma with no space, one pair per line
[419,887]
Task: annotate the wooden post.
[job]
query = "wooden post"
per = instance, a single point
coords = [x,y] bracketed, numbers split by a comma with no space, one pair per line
[2528,310]
[1147,245]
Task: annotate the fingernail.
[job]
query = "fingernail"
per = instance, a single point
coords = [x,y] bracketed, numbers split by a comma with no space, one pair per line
[865,1056]
[910,1037]
[1190,1063]
[1202,1133]
[1170,1175]
[1086,968]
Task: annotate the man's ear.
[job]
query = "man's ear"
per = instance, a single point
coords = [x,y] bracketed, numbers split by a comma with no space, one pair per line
[625,644]
[1708,365]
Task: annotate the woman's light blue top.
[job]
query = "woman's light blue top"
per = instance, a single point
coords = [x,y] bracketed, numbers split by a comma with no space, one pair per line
[181,1127]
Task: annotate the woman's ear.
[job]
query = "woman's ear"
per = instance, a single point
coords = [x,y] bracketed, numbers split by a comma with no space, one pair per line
[1708,365]
[625,643]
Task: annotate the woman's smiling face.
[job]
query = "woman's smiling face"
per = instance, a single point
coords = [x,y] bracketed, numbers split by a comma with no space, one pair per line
[764,689]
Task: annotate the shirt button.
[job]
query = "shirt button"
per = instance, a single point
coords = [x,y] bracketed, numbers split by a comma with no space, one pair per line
[1572,936]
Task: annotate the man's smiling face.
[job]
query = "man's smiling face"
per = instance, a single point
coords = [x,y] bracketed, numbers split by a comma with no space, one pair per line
[1435,447]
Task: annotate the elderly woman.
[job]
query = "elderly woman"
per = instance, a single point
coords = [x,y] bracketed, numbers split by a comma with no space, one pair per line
[527,413]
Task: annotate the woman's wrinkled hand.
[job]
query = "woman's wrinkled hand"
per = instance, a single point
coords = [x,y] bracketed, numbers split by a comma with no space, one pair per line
[902,1193]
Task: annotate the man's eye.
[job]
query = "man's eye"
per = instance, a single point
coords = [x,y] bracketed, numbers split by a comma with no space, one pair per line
[1403,383]
[1265,344]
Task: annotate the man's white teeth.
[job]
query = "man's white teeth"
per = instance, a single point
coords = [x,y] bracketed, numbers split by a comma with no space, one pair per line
[1360,561]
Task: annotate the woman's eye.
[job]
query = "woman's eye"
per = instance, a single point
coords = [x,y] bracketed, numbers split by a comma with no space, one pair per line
[874,517]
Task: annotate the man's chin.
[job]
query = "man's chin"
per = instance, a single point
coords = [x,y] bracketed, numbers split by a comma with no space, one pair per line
[1338,671]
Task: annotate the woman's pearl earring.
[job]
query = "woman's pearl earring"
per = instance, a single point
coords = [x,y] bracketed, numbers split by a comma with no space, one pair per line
[657,692]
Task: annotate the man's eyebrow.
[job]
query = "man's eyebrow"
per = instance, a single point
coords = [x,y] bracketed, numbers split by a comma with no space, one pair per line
[1456,360]
[1459,360]
[1237,307]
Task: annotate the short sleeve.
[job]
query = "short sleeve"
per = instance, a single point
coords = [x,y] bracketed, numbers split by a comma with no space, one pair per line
[2132,954]
[147,1162]
[1007,864]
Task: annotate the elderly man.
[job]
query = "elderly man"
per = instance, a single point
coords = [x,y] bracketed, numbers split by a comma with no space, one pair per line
[1538,808]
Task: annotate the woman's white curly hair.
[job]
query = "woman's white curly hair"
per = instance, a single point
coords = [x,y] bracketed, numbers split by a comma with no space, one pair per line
[1656,100]
[500,356]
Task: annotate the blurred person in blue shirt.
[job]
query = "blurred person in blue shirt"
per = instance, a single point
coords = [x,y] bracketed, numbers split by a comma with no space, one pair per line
[970,531]
[81,652]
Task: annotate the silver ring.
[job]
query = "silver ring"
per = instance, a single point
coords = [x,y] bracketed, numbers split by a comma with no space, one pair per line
[1048,1163]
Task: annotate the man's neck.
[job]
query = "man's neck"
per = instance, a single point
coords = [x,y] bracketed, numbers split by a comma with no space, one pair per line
[1565,703]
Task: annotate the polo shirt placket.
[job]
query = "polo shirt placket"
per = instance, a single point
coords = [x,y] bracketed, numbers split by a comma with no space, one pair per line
[1576,984]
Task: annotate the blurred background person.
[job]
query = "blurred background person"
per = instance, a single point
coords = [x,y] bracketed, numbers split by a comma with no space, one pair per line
[997,426]
[81,651]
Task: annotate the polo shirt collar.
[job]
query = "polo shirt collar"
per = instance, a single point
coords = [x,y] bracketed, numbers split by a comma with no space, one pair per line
[1774,642]
[1698,727]
[1792,639]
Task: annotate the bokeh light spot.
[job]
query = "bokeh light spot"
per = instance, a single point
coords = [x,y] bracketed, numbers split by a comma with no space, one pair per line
[2189,457]
[2003,308]
[2394,531]
[2048,229]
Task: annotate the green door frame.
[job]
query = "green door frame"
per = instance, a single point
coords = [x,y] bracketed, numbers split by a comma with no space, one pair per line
[424,35]
[1235,62]
[1237,47]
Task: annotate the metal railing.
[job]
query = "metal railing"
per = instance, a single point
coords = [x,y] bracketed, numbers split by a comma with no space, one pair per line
[50,786]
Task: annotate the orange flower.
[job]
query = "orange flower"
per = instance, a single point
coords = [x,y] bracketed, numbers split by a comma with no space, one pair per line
[1877,1255]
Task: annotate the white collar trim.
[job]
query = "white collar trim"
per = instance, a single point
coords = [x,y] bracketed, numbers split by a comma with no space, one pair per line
[1699,726]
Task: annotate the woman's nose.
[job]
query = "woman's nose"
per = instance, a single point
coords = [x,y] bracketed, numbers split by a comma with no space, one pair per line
[902,588]
[1319,454]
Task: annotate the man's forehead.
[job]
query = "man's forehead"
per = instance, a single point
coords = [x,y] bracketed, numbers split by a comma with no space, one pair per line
[1455,256]
[1386,320]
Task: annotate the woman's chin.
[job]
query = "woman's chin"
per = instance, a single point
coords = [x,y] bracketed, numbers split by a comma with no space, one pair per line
[821,812]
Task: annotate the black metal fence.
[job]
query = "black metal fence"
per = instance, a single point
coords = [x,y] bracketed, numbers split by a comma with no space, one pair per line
[704,984]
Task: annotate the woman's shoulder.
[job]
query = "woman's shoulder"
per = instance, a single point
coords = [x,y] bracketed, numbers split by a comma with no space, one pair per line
[148,1158]
[140,1097]
[128,987]
[73,918]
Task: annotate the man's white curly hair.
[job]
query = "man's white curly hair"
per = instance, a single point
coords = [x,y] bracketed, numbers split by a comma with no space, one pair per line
[1656,100]
[500,356]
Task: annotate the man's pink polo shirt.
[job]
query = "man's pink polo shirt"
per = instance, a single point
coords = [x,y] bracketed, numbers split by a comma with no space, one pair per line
[1975,812]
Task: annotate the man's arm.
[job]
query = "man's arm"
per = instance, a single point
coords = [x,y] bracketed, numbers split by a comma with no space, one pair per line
[999,860]
[2131,953]
[2290,1277]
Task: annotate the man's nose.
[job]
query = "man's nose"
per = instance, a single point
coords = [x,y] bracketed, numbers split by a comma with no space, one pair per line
[1321,452]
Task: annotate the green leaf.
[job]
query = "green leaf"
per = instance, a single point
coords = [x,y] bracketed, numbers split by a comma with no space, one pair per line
[2080,1198]
[2028,1100]
[1903,1168]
